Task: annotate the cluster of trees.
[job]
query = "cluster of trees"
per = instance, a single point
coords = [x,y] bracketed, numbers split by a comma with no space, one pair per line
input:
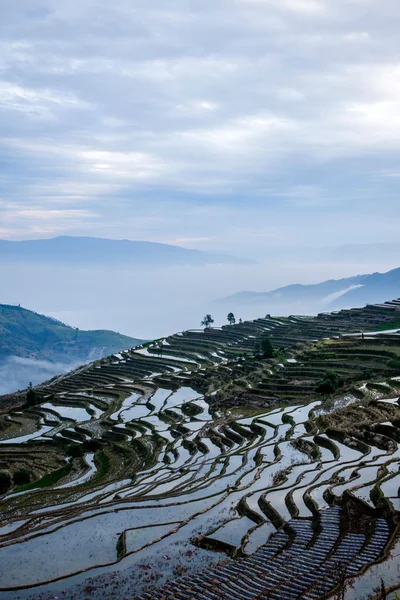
[264,348]
[5,481]
[208,320]
[232,319]
[329,383]
[394,363]
[20,477]
[32,397]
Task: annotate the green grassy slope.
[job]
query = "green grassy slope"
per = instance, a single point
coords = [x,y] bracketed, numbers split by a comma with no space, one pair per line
[27,334]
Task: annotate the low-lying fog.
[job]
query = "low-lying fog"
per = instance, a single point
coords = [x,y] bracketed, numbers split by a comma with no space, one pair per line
[149,303]
[16,373]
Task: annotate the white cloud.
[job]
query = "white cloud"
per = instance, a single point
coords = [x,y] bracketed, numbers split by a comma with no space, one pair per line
[123,107]
[238,136]
[357,36]
[135,166]
[35,102]
[308,7]
[197,107]
[187,241]
[49,215]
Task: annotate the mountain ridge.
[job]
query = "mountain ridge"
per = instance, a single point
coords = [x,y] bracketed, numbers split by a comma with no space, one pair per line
[332,294]
[93,250]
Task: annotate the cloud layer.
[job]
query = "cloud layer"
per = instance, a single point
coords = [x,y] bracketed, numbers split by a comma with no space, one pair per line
[193,123]
[16,373]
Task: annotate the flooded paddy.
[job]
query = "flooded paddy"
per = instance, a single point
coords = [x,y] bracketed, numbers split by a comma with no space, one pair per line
[162,474]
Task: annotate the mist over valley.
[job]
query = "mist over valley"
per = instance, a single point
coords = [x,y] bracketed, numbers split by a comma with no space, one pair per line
[148,301]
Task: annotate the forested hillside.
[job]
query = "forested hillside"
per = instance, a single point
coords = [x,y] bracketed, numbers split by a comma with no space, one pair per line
[27,334]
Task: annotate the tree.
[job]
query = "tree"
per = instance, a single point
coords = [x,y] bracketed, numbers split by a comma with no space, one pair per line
[5,481]
[75,450]
[32,397]
[231,318]
[22,476]
[206,322]
[394,363]
[240,321]
[330,383]
[266,348]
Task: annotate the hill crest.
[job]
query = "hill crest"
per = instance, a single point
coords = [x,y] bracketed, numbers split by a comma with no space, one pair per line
[102,251]
[27,334]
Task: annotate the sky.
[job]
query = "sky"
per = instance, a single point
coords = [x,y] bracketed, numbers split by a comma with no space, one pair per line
[224,125]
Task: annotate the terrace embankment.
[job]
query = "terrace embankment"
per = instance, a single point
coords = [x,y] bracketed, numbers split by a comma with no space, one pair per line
[171,457]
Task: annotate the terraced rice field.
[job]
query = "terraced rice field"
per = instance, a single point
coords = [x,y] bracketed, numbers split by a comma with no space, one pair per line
[190,469]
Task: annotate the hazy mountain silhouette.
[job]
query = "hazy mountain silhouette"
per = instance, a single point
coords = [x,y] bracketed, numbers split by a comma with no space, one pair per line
[328,295]
[82,251]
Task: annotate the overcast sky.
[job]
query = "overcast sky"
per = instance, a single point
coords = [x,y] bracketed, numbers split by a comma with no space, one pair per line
[213,124]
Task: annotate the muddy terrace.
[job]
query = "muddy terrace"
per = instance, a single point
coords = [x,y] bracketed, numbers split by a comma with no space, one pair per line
[191,468]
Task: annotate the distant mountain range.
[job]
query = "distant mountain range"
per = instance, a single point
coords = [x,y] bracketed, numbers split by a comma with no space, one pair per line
[90,251]
[26,334]
[333,294]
